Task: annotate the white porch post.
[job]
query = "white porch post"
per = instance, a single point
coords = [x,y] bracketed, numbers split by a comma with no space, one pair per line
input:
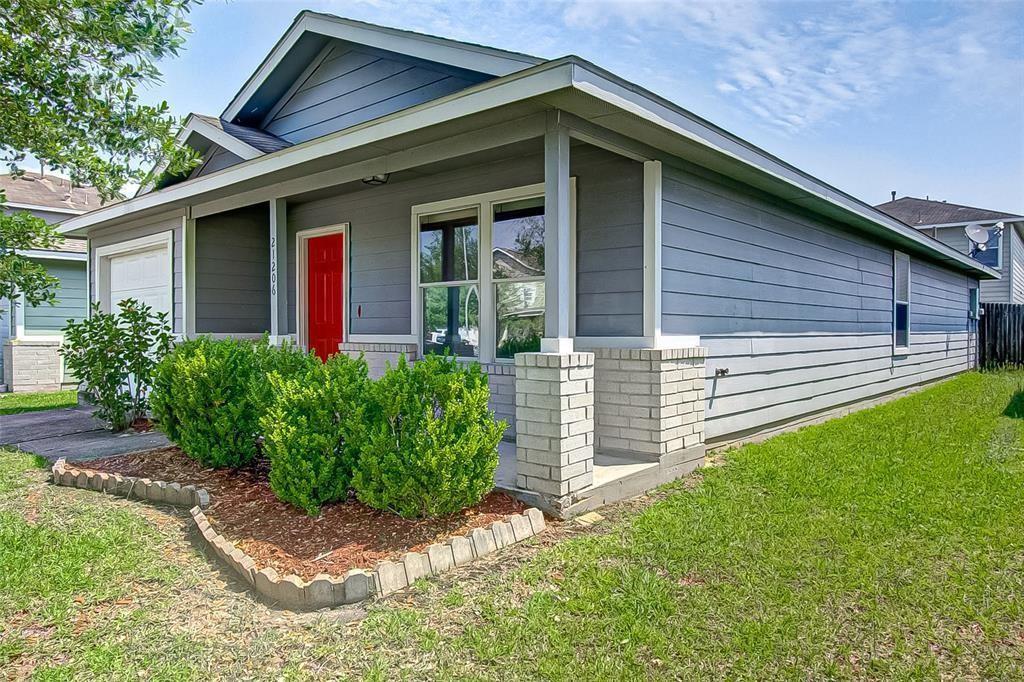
[652,252]
[278,270]
[188,303]
[557,237]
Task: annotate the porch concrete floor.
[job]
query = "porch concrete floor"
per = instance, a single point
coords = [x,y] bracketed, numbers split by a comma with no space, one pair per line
[607,468]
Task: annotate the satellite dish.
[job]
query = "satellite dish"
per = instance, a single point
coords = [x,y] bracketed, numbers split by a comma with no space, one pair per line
[978,235]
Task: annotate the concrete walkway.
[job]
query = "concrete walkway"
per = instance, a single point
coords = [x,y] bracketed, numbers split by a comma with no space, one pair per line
[72,433]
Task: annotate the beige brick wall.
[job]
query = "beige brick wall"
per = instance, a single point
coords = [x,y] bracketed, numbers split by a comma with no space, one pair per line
[378,355]
[555,424]
[34,366]
[501,377]
[649,401]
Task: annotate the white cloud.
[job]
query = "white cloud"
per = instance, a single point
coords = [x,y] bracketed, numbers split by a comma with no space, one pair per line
[799,65]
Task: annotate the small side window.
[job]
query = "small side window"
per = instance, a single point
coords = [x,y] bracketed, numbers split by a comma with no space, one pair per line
[901,300]
[974,310]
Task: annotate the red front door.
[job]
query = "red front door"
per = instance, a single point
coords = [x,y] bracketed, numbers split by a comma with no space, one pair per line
[326,294]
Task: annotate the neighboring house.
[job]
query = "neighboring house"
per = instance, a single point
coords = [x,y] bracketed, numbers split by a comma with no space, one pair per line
[946,222]
[380,191]
[30,336]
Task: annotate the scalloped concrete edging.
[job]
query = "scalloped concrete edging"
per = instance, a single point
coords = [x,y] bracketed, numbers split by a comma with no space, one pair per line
[326,591]
[132,487]
[323,591]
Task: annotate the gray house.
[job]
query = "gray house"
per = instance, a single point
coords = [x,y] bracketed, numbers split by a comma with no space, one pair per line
[638,283]
[946,222]
[30,336]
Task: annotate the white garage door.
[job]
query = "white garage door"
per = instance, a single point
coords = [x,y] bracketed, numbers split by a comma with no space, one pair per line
[144,276]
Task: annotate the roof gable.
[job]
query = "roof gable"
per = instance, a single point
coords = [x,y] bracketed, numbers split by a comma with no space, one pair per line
[348,84]
[310,34]
[925,212]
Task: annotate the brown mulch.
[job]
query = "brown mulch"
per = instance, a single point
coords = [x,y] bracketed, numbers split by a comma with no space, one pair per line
[345,535]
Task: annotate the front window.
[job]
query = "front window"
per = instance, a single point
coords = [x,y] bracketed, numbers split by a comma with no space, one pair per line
[449,255]
[480,270]
[517,256]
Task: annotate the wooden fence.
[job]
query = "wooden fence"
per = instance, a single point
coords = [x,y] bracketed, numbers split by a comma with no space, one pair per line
[1001,335]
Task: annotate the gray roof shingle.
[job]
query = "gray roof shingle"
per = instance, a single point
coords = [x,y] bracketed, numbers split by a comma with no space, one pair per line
[48,191]
[922,212]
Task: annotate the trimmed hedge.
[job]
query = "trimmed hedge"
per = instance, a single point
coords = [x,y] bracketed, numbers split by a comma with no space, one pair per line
[430,446]
[209,395]
[312,429]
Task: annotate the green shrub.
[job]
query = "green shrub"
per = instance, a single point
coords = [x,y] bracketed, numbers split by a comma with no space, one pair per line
[311,431]
[209,395]
[114,355]
[431,443]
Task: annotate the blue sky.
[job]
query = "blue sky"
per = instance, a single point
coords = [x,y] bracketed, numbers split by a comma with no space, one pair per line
[924,98]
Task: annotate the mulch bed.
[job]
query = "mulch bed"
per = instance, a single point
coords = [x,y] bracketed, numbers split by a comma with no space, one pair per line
[345,535]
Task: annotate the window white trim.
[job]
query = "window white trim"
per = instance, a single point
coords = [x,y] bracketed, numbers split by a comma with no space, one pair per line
[896,256]
[302,238]
[101,265]
[483,203]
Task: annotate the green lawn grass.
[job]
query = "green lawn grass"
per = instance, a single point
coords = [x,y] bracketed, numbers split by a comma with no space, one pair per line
[888,544]
[16,403]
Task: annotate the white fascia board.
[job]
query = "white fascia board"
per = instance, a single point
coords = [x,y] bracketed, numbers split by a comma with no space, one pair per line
[965,223]
[218,136]
[647,106]
[462,55]
[38,207]
[488,95]
[43,254]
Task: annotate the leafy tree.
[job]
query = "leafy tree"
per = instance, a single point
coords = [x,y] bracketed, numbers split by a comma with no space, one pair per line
[69,74]
[18,274]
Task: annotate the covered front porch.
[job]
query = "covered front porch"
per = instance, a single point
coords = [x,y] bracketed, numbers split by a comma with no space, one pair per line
[521,245]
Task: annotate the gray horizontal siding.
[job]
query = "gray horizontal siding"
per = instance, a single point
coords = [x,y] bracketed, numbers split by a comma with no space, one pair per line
[354,84]
[233,272]
[142,228]
[992,290]
[609,211]
[72,299]
[798,310]
[609,243]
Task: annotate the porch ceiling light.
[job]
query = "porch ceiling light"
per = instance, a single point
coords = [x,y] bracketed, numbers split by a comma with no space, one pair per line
[379,179]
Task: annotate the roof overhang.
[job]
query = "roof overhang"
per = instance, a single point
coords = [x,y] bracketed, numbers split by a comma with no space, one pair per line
[965,223]
[196,125]
[452,52]
[45,254]
[586,91]
[41,207]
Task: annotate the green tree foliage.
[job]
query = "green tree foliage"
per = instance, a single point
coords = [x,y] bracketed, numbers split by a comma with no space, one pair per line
[69,81]
[312,431]
[70,71]
[431,446]
[209,395]
[22,231]
[114,355]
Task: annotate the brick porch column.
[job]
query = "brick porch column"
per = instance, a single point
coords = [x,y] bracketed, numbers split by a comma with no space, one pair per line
[554,425]
[650,400]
